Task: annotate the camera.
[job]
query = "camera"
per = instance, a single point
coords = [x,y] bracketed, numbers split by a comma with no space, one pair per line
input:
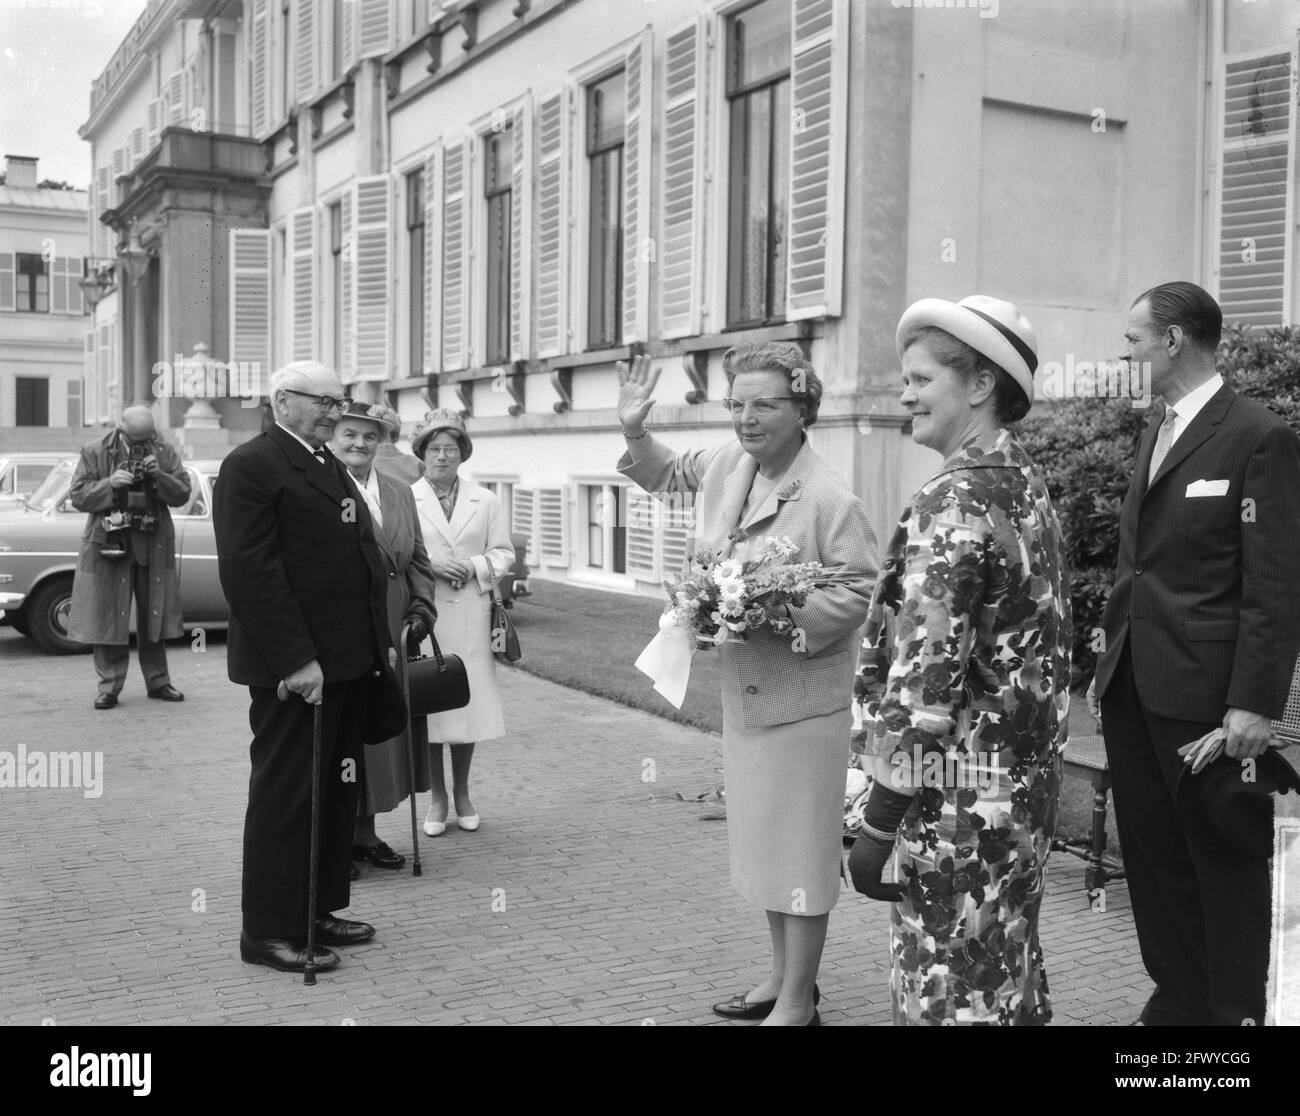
[133,504]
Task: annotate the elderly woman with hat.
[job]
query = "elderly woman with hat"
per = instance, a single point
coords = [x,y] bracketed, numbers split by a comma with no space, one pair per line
[384,774]
[964,682]
[469,550]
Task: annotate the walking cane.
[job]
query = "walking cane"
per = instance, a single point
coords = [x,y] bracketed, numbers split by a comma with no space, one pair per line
[309,969]
[410,744]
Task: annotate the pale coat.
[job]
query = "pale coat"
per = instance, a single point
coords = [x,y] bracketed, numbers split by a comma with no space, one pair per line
[818,512]
[477,533]
[101,587]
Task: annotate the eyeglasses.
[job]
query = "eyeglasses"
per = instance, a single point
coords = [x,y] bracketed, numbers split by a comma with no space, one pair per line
[324,402]
[760,407]
[443,451]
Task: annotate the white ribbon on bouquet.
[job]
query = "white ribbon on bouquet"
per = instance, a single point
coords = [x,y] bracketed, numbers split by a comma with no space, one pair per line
[667,660]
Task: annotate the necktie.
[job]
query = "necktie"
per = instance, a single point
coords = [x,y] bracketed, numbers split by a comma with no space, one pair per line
[1164,440]
[320,456]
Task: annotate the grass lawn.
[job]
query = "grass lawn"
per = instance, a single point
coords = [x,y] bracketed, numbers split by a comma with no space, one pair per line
[588,639]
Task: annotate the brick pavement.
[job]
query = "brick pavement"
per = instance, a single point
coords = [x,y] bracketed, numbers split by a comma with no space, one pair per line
[611,898]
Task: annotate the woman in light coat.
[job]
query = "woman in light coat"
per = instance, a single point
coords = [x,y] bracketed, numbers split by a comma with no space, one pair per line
[469,549]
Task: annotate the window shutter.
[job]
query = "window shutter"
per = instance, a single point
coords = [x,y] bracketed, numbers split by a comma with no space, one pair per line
[259,67]
[638,248]
[346,310]
[455,257]
[685,63]
[60,298]
[372,297]
[432,275]
[676,526]
[250,302]
[523,519]
[551,229]
[137,146]
[102,206]
[349,33]
[153,123]
[176,99]
[815,211]
[8,290]
[641,514]
[521,237]
[306,75]
[1255,198]
[119,169]
[553,526]
[302,254]
[74,402]
[376,30]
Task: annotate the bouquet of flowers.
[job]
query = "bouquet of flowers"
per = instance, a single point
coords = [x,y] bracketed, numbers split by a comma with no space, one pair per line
[720,599]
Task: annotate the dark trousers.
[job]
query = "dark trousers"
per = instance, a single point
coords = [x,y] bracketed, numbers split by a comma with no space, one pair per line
[113,659]
[277,827]
[1203,922]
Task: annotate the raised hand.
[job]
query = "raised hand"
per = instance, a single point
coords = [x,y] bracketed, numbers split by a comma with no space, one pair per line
[636,385]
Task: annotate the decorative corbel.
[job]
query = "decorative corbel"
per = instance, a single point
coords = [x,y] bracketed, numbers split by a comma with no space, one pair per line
[433,48]
[348,90]
[465,390]
[467,20]
[392,79]
[317,119]
[515,385]
[696,367]
[521,8]
[562,382]
[293,131]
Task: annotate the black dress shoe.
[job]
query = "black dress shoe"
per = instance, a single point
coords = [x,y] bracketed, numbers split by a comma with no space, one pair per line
[106,701]
[282,954]
[739,1008]
[380,855]
[333,931]
[167,693]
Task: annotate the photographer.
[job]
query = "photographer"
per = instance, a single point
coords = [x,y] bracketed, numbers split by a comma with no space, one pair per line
[127,481]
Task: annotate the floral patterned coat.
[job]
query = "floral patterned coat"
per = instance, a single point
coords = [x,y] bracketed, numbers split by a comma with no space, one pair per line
[966,661]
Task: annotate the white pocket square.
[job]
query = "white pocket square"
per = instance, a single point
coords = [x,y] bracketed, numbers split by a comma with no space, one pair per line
[1207,488]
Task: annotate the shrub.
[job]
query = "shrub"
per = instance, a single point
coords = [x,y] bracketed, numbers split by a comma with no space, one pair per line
[1086,449]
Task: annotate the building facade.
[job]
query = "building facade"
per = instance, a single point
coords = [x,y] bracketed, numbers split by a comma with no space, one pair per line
[43,249]
[485,204]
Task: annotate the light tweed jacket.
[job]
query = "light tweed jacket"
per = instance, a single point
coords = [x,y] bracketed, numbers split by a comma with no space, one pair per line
[817,511]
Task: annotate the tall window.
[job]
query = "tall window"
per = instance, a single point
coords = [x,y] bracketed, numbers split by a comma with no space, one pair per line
[415,267]
[31,400]
[606,516]
[758,98]
[499,170]
[33,278]
[606,115]
[335,213]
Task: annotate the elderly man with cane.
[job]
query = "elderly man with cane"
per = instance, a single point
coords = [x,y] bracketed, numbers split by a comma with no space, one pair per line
[302,570]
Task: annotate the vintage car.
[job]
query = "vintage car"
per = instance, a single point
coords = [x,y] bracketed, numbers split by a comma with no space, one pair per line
[21,473]
[40,540]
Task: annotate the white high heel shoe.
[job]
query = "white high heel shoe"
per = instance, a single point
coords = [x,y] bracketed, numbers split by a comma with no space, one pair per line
[469,823]
[432,826]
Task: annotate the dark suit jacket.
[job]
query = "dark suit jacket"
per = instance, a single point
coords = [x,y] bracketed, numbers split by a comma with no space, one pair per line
[1205,589]
[302,571]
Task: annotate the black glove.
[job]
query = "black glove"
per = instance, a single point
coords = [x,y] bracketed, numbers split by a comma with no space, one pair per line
[872,849]
[419,626]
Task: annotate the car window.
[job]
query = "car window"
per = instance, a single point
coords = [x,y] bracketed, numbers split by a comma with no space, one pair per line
[198,504]
[54,488]
[6,479]
[29,476]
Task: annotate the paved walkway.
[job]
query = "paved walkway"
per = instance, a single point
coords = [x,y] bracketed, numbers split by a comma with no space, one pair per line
[588,896]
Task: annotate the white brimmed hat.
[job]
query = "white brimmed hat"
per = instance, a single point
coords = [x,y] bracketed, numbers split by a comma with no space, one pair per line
[993,327]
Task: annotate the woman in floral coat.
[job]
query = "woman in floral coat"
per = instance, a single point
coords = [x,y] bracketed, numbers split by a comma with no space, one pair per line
[964,683]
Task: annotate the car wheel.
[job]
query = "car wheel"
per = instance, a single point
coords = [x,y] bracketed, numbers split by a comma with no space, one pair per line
[18,621]
[47,617]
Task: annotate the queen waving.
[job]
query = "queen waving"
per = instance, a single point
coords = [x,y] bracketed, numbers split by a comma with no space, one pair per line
[785,702]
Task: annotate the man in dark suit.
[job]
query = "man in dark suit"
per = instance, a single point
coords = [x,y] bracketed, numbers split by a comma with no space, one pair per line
[1201,628]
[307,588]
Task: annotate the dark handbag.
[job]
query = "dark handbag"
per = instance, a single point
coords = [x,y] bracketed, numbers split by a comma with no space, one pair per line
[505,640]
[436,684]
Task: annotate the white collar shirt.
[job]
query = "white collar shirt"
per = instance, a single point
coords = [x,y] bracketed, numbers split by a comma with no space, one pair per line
[1189,406]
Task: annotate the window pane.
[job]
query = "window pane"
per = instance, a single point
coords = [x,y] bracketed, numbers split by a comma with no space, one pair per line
[595,526]
[499,163]
[619,563]
[606,112]
[759,43]
[498,277]
[751,154]
[605,242]
[417,299]
[415,199]
[336,228]
[778,202]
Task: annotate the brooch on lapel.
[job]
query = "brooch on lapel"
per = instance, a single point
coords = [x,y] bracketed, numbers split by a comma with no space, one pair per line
[787,491]
[737,536]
